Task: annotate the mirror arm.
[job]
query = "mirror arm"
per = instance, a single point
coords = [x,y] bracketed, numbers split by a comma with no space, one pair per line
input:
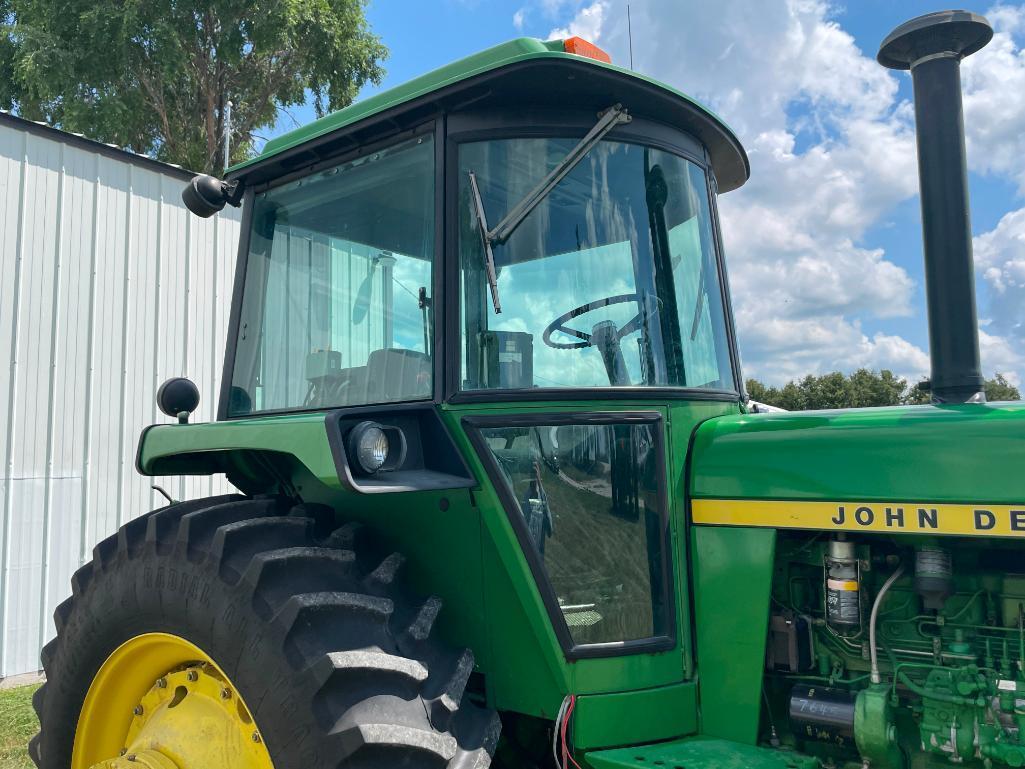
[233,192]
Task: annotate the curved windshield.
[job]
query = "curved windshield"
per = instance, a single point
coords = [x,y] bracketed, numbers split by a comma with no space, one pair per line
[610,281]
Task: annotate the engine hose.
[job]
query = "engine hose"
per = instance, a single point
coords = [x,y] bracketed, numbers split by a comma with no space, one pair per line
[951,699]
[872,648]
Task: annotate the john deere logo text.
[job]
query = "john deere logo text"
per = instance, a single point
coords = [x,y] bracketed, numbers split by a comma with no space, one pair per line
[966,520]
[924,518]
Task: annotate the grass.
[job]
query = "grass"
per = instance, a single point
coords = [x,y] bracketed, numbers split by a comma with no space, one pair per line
[17,724]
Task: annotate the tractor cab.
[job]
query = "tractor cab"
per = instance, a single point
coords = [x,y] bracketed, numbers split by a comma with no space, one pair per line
[489,254]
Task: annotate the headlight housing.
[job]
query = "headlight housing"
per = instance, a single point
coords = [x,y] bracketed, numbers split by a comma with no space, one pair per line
[374,448]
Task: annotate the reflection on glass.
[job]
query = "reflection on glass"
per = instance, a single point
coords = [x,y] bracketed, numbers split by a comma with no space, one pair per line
[588,496]
[336,308]
[611,281]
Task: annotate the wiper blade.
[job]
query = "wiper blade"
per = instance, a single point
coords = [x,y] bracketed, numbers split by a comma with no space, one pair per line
[485,240]
[607,120]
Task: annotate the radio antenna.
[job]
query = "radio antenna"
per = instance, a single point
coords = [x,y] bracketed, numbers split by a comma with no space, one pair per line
[630,35]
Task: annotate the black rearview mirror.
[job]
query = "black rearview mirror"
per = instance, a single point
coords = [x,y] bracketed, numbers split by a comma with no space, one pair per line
[205,195]
[178,397]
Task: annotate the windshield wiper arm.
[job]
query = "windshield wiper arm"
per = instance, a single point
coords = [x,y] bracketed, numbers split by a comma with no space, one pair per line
[485,241]
[607,120]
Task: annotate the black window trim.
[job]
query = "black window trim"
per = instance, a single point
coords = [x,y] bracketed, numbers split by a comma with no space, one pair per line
[724,285]
[235,315]
[471,127]
[472,426]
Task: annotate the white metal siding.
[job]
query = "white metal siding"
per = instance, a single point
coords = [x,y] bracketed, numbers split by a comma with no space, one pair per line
[108,286]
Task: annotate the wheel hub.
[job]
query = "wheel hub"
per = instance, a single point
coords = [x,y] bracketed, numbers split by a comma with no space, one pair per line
[159,702]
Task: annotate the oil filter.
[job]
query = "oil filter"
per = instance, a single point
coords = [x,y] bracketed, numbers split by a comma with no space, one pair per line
[934,576]
[843,597]
[822,714]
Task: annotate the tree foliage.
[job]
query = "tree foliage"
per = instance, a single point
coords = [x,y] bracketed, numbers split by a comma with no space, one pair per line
[860,389]
[155,75]
[7,82]
[999,389]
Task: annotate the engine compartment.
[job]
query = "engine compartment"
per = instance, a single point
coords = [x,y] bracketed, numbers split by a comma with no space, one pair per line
[949,639]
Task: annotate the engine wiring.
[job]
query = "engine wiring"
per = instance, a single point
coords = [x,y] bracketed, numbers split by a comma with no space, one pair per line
[560,741]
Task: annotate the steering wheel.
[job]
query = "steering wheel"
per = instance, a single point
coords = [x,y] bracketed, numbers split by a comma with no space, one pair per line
[559,323]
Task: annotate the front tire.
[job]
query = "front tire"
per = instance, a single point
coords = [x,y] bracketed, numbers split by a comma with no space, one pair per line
[336,663]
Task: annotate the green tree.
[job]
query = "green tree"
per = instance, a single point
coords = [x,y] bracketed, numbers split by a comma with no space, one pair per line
[861,389]
[757,391]
[871,389]
[999,389]
[7,82]
[996,389]
[832,391]
[916,395]
[155,75]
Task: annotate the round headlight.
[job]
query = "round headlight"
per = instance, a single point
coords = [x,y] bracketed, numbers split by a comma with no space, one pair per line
[371,447]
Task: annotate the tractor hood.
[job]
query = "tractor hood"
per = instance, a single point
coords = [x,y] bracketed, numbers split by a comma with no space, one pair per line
[938,470]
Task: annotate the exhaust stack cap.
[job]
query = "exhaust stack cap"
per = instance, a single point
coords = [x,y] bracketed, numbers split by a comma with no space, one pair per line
[945,33]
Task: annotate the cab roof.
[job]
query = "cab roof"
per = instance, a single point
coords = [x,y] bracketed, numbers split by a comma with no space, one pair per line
[521,69]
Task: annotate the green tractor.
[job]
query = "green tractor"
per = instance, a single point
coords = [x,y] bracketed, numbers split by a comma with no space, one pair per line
[502,499]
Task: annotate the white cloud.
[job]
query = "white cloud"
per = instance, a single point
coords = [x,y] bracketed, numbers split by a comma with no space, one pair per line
[519,18]
[832,153]
[1000,355]
[994,98]
[828,343]
[556,9]
[1000,261]
[885,351]
[1007,18]
[587,23]
[1000,253]
[994,81]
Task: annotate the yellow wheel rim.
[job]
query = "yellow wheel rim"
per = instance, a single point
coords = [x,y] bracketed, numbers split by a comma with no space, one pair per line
[160,702]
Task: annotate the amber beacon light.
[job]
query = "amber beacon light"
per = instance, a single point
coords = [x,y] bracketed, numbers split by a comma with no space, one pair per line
[581,47]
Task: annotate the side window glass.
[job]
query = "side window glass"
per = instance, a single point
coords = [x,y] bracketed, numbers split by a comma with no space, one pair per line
[588,497]
[336,310]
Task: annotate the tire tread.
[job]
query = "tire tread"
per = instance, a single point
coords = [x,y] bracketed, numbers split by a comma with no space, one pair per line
[384,691]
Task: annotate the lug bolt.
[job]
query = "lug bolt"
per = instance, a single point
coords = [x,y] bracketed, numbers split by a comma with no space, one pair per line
[123,751]
[192,675]
[161,683]
[131,757]
[256,737]
[225,693]
[138,710]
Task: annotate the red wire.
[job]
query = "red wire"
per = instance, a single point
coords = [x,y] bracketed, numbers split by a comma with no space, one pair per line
[562,734]
[565,726]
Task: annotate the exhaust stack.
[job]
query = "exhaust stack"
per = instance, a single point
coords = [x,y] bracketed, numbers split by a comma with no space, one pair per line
[932,47]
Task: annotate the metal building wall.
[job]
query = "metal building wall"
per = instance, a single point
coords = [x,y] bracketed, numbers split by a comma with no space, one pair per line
[107,287]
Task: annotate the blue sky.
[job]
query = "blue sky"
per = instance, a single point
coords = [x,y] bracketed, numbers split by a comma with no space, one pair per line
[824,243]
